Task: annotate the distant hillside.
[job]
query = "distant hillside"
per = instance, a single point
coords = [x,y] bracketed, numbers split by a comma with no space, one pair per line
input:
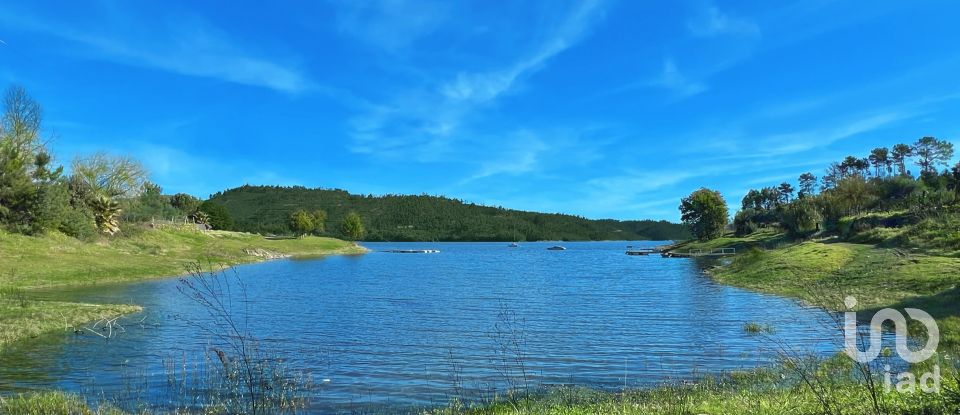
[266,209]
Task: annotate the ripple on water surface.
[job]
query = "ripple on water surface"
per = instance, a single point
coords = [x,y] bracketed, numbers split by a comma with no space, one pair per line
[389,328]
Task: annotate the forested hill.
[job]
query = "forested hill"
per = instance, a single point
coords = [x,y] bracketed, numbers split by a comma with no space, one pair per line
[267,210]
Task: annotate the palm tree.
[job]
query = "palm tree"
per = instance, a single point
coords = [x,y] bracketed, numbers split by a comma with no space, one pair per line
[109,178]
[106,214]
[200,217]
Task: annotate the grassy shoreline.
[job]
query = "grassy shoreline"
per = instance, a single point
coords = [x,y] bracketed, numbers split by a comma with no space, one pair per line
[56,261]
[823,272]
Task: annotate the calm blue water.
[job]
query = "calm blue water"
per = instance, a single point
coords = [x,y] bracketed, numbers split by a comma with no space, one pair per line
[388,329]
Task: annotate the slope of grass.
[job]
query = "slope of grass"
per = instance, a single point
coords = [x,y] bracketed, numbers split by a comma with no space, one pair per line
[58,260]
[824,273]
[766,237]
[940,235]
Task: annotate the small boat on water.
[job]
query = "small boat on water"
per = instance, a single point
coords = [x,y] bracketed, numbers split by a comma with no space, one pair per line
[556,248]
[413,251]
[514,245]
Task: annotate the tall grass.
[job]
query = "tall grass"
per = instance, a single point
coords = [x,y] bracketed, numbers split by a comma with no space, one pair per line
[17,295]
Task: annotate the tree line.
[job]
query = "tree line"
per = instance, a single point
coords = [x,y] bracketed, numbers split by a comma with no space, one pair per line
[880,181]
[284,210]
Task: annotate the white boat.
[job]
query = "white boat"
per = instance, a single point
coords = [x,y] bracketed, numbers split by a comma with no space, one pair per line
[514,245]
[556,248]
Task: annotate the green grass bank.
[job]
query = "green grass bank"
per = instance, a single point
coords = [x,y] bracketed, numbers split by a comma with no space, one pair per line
[891,267]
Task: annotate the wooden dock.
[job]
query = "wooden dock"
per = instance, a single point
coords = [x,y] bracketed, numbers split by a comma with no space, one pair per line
[696,253]
[647,251]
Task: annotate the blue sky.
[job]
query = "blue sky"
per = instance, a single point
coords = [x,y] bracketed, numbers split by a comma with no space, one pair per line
[597,108]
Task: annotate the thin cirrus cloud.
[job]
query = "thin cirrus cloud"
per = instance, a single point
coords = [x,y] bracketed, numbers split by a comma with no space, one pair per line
[791,143]
[540,152]
[711,21]
[671,79]
[707,23]
[185,45]
[521,156]
[427,122]
[392,25]
[745,138]
[485,86]
[743,145]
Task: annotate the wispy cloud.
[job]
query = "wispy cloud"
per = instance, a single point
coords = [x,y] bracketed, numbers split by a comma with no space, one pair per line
[711,21]
[537,152]
[762,132]
[485,86]
[658,190]
[184,44]
[671,79]
[522,155]
[423,122]
[739,143]
[772,179]
[392,25]
[632,184]
[634,190]
[800,141]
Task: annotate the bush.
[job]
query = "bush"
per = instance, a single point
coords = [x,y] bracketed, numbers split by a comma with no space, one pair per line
[150,205]
[850,226]
[800,218]
[51,207]
[186,203]
[79,224]
[744,223]
[895,192]
[219,216]
[940,233]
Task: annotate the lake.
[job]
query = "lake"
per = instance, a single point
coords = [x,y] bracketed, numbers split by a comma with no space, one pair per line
[391,330]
